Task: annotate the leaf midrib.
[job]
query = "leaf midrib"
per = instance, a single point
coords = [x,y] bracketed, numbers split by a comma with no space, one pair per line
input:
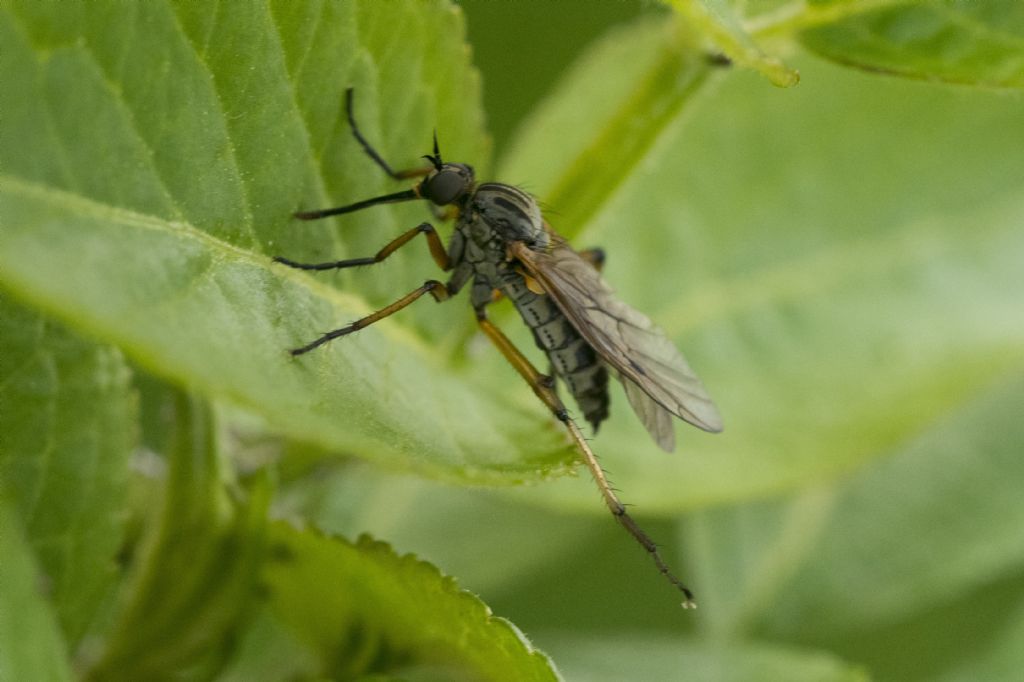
[78,203]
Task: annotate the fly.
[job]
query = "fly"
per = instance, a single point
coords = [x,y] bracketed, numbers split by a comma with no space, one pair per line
[501,243]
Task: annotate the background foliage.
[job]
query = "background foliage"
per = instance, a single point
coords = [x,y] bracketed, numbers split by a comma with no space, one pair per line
[840,260]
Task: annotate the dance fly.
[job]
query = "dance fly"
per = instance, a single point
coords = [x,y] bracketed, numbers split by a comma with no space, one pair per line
[502,245]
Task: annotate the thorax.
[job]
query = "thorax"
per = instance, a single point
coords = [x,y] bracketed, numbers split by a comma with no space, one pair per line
[492,217]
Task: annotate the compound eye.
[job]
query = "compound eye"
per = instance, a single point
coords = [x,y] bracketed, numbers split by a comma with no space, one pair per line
[445,187]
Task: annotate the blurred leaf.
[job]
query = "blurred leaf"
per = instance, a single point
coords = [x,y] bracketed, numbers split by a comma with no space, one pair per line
[841,262]
[1000,655]
[137,209]
[605,116]
[157,405]
[464,531]
[365,610]
[541,568]
[195,572]
[975,42]
[556,32]
[268,650]
[67,423]
[840,272]
[939,519]
[654,657]
[719,21]
[913,567]
[976,635]
[31,646]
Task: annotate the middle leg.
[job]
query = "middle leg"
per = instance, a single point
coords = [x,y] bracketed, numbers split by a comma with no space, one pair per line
[437,251]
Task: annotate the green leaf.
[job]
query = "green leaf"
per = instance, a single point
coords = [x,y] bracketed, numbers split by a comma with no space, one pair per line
[366,610]
[939,519]
[975,42]
[557,32]
[633,86]
[31,646]
[466,532]
[721,22]
[268,650]
[977,636]
[195,571]
[1000,655]
[66,430]
[658,657]
[143,205]
[838,273]
[970,635]
[913,566]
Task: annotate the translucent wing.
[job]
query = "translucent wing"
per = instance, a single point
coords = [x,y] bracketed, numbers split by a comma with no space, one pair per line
[654,373]
[656,419]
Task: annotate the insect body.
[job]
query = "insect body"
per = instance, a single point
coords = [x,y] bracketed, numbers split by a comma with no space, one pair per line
[502,244]
[494,217]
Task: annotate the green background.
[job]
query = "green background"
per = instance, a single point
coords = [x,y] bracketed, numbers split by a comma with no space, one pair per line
[840,261]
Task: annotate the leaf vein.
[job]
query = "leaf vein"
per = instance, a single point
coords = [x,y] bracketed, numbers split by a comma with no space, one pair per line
[200,55]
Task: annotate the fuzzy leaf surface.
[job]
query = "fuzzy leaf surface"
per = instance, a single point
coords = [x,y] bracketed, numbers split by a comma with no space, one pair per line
[67,422]
[152,156]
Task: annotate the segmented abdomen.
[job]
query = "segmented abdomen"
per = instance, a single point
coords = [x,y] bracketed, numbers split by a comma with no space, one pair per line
[572,358]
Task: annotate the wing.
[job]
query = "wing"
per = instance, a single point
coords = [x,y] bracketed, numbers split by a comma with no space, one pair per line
[655,374]
[655,418]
